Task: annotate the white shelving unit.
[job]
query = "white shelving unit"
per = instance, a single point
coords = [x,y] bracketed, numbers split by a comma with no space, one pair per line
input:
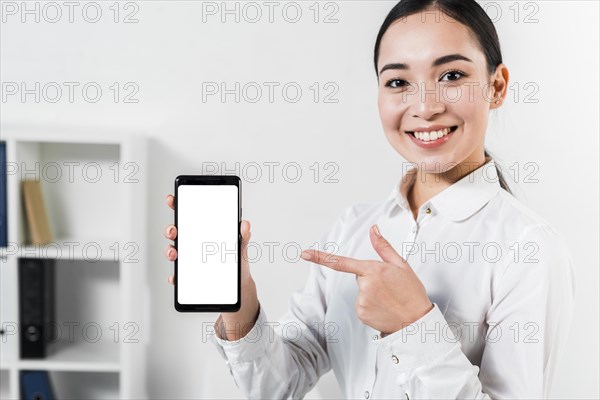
[94,185]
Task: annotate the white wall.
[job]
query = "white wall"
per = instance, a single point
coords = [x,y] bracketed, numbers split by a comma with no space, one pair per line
[170,52]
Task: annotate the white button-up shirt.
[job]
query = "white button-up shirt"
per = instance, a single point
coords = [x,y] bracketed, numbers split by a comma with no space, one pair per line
[501,280]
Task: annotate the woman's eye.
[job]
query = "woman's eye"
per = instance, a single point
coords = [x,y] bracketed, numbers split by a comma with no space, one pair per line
[395,83]
[456,74]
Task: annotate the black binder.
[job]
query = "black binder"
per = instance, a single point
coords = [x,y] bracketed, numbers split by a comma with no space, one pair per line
[36,306]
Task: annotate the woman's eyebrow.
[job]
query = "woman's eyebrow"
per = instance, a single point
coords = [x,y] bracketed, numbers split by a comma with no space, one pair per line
[436,63]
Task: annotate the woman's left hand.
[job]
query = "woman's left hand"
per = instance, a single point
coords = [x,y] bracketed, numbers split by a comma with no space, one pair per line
[390,296]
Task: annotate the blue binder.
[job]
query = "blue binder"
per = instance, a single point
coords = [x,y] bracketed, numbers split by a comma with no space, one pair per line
[3,196]
[35,385]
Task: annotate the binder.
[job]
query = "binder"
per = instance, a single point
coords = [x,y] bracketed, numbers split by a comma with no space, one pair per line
[37,313]
[36,385]
[3,197]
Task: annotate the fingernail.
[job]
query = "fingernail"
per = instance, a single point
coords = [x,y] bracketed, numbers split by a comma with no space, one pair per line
[305,255]
[170,253]
[376,230]
[170,231]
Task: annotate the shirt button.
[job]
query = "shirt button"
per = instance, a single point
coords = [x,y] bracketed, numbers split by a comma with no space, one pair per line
[395,359]
[367,394]
[375,337]
[428,210]
[414,229]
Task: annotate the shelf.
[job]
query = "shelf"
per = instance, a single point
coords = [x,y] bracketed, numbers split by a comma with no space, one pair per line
[85,385]
[66,134]
[82,186]
[78,385]
[79,356]
[94,187]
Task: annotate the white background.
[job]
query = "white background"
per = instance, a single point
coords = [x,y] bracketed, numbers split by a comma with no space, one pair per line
[170,52]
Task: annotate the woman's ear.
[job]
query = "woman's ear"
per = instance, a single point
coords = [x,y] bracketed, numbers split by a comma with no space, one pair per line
[500,84]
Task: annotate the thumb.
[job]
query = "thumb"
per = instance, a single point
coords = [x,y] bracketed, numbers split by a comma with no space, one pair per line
[245,231]
[384,248]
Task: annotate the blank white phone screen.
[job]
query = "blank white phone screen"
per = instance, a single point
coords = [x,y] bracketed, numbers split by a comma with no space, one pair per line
[207,235]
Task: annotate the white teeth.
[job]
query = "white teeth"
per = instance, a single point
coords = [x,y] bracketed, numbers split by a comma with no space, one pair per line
[434,135]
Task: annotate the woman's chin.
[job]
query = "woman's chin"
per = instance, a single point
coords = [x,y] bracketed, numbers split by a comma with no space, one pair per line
[435,164]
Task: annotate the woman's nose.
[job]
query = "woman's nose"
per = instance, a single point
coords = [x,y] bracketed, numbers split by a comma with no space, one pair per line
[427,101]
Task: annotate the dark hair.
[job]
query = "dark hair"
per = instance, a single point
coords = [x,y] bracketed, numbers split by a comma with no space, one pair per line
[466,12]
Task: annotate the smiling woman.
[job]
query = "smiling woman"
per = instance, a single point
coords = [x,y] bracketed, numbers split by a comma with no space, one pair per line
[431,50]
[448,288]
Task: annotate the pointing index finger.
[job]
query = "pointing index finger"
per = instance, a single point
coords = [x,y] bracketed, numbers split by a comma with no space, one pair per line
[335,262]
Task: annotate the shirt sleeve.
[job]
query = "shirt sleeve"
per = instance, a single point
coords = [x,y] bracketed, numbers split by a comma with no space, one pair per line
[527,327]
[284,359]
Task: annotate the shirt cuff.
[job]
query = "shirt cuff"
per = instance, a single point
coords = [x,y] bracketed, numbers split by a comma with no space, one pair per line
[251,346]
[421,342]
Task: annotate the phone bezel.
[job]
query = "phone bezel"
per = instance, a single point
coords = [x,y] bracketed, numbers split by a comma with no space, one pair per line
[211,180]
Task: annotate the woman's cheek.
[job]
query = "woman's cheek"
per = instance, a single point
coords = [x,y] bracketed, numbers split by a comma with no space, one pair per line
[384,112]
[390,111]
[468,107]
[453,94]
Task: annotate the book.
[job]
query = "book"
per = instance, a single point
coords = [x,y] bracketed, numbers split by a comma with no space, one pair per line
[37,306]
[36,385]
[3,198]
[35,209]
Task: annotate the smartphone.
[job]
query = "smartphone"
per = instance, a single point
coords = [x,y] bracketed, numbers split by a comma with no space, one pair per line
[208,215]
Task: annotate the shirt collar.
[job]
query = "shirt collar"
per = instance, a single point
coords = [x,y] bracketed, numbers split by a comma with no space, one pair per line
[458,201]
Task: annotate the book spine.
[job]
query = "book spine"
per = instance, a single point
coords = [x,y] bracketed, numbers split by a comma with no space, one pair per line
[36,306]
[3,197]
[36,385]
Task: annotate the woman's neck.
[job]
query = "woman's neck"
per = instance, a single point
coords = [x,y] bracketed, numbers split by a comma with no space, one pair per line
[429,184]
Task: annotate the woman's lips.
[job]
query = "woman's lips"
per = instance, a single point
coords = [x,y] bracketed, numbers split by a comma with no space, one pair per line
[432,143]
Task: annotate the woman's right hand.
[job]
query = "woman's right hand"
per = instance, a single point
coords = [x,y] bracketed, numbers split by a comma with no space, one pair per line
[246,316]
